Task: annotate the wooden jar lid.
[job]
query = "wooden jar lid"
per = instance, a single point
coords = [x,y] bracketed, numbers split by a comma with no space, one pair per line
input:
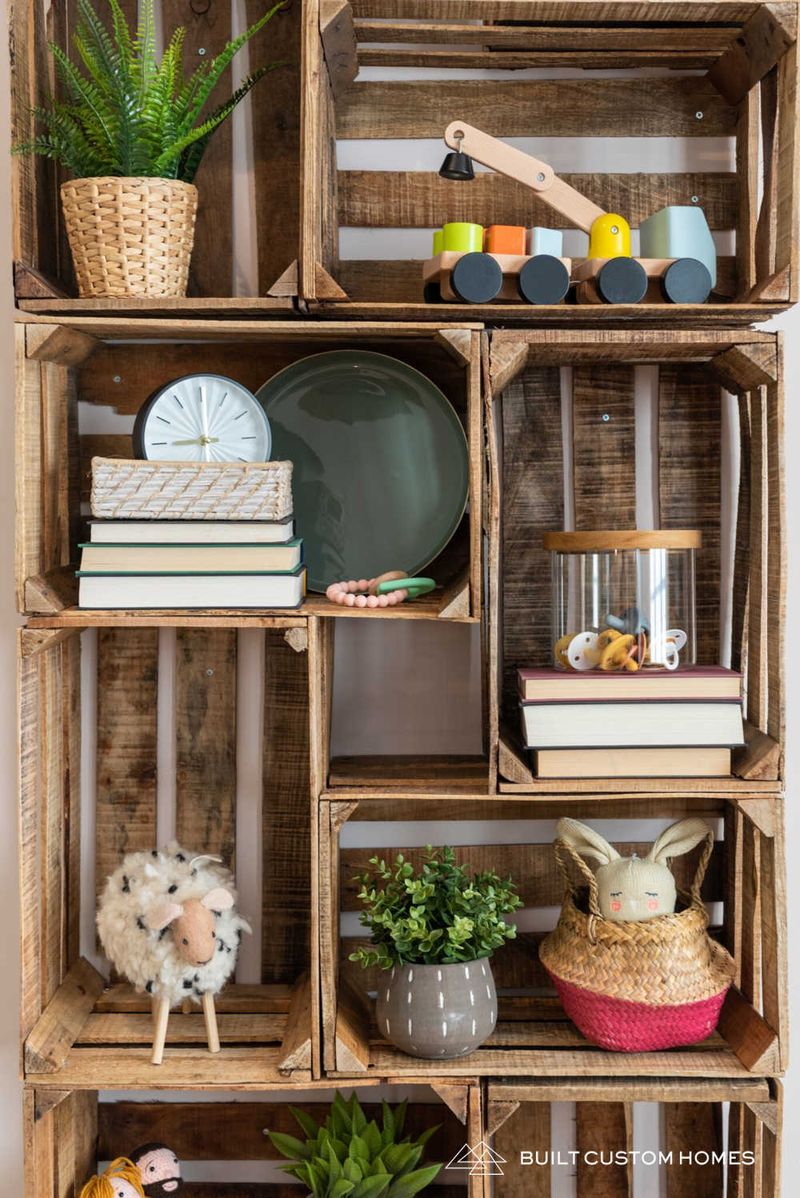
[596,541]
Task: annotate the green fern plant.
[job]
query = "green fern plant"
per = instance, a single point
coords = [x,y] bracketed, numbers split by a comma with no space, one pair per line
[351,1157]
[124,112]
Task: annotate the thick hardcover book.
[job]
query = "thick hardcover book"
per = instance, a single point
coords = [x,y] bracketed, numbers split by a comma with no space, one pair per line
[631,763]
[158,558]
[631,725]
[191,532]
[135,591]
[567,686]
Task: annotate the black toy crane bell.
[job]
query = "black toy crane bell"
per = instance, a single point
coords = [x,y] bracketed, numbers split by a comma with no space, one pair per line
[457,165]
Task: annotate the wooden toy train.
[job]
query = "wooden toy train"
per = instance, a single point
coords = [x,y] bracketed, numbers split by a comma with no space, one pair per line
[470,264]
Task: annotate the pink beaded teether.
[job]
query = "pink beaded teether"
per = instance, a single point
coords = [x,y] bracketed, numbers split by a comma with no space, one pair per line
[362,592]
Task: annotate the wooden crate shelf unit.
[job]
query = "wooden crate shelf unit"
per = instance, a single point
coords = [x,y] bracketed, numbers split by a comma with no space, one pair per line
[744,887]
[101,363]
[156,714]
[568,445]
[70,1135]
[737,1119]
[725,75]
[44,276]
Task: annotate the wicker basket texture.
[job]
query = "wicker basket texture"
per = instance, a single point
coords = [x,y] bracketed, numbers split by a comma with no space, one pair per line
[130,237]
[125,489]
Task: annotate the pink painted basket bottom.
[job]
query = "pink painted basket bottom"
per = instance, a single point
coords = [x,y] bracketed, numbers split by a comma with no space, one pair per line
[624,1026]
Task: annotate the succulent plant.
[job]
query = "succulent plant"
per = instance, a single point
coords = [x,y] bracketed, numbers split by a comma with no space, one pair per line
[349,1156]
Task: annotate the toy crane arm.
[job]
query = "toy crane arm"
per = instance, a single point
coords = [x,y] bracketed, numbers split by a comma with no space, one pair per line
[515,164]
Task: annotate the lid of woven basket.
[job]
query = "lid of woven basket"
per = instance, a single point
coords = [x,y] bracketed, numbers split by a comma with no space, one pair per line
[662,961]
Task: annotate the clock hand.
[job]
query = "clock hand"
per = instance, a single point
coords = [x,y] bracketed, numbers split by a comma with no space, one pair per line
[204,409]
[198,441]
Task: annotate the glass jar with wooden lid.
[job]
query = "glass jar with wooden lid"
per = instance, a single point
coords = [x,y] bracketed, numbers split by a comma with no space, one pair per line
[623,600]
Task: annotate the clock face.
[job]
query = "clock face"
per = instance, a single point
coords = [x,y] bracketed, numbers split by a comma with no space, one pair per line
[202,418]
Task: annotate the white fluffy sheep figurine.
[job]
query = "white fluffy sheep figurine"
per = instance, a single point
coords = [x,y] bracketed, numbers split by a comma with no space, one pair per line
[168,922]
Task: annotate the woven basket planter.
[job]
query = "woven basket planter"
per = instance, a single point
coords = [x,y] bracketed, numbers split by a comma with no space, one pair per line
[636,986]
[130,237]
[124,489]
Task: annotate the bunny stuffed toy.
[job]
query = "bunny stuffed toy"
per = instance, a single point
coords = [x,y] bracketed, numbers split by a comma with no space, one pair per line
[634,888]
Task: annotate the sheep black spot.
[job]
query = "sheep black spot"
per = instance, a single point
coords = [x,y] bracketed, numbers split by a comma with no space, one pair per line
[216,914]
[180,857]
[163,933]
[187,985]
[172,889]
[154,853]
[220,945]
[126,884]
[149,987]
[141,925]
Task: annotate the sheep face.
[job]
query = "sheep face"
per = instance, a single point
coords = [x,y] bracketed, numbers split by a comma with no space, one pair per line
[193,924]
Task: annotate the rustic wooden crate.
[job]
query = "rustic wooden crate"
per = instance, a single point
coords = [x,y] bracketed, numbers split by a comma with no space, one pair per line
[43,267]
[693,1118]
[533,1036]
[732,74]
[102,361]
[70,1135]
[528,496]
[77,1032]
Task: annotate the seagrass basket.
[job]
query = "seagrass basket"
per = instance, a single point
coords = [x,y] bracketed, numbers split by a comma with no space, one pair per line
[130,489]
[130,237]
[636,986]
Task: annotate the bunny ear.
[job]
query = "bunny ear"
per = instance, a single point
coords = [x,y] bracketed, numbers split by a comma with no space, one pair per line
[678,839]
[585,840]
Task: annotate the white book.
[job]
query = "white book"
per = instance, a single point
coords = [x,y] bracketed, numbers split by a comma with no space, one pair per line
[631,725]
[191,532]
[132,592]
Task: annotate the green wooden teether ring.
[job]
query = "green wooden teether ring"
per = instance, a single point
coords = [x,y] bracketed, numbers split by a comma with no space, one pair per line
[414,586]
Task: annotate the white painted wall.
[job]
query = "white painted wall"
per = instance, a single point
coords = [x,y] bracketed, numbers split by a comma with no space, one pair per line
[412,717]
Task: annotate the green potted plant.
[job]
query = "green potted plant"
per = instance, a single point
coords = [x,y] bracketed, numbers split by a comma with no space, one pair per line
[349,1156]
[434,931]
[132,131]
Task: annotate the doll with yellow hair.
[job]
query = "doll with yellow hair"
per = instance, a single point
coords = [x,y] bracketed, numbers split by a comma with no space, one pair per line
[122,1179]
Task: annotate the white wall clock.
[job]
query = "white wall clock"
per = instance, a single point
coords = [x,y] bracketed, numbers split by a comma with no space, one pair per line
[202,418]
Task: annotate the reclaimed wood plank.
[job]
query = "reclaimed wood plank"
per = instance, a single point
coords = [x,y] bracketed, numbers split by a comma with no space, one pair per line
[52,865]
[533,503]
[529,1127]
[417,199]
[208,30]
[776,558]
[127,697]
[603,466]
[563,107]
[276,141]
[286,886]
[689,488]
[690,1129]
[205,730]
[544,37]
[50,1041]
[604,1127]
[29,830]
[758,593]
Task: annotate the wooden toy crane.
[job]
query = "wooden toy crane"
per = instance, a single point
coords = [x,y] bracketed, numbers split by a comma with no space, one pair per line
[683,257]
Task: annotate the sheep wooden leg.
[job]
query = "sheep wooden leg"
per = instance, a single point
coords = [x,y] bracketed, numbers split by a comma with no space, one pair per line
[186,1006]
[161,1019]
[210,1016]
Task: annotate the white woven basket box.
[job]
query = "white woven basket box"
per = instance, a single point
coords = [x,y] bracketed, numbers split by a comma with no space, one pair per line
[125,489]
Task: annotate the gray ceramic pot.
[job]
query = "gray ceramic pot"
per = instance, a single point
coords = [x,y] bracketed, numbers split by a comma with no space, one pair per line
[437,1011]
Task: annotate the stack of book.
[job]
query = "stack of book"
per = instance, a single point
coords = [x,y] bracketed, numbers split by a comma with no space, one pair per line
[651,724]
[185,563]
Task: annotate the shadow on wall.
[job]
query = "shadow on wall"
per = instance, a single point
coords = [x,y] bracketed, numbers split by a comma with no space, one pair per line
[406,686]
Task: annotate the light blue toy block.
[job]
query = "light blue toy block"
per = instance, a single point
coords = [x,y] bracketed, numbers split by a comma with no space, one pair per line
[679,232]
[545,241]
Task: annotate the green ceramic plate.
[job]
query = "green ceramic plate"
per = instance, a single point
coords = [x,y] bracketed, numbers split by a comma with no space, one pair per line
[380,463]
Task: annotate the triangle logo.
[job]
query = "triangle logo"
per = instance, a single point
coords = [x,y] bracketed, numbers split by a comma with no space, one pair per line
[478,1161]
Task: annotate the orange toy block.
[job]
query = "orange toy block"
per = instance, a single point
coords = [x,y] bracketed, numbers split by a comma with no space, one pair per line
[505,239]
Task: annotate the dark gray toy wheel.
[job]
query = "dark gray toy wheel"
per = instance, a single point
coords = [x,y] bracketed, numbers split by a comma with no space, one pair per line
[543,280]
[686,281]
[476,278]
[622,281]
